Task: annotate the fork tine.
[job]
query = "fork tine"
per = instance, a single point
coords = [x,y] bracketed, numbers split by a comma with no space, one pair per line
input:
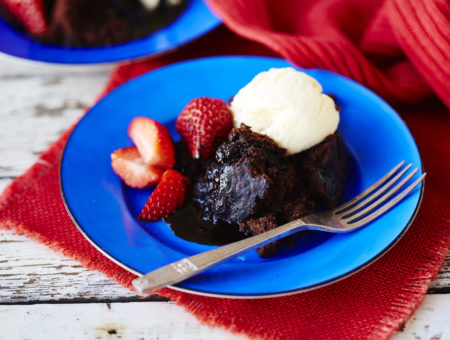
[382,199]
[365,201]
[387,206]
[369,190]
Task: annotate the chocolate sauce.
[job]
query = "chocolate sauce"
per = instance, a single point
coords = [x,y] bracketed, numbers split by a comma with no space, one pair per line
[187,223]
[293,187]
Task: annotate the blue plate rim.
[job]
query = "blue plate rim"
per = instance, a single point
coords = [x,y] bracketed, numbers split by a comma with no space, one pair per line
[104,56]
[234,295]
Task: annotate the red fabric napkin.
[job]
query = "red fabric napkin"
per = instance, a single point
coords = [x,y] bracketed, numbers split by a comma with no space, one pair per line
[399,48]
[373,42]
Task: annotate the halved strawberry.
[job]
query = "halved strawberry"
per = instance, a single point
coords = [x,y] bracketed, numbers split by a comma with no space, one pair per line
[30,13]
[169,195]
[203,123]
[130,166]
[153,141]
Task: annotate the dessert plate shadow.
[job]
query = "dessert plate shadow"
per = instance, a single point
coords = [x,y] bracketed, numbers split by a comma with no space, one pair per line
[106,211]
[195,21]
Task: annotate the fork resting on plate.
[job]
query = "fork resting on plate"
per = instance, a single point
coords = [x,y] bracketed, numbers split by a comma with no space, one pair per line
[352,215]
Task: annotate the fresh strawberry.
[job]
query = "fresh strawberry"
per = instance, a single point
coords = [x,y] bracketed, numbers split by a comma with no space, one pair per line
[169,195]
[203,123]
[30,13]
[153,142]
[130,166]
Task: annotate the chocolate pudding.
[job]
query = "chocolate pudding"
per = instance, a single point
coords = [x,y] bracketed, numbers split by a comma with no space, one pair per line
[250,185]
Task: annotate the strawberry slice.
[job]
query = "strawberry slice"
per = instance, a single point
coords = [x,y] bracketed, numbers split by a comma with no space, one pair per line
[204,123]
[153,141]
[130,166]
[30,13]
[169,195]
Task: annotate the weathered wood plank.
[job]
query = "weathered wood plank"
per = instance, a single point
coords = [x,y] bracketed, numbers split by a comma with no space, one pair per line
[11,67]
[36,110]
[30,271]
[145,320]
[155,320]
[430,321]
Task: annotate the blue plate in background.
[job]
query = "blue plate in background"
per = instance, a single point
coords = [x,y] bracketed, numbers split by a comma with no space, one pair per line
[195,21]
[105,210]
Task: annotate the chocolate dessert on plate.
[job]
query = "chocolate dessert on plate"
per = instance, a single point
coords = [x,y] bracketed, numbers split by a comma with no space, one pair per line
[90,23]
[273,155]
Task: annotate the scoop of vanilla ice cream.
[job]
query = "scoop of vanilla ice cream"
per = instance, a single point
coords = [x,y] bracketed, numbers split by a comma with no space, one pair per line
[150,4]
[288,106]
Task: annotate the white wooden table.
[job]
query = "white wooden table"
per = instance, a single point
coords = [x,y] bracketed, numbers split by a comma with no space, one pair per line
[44,295]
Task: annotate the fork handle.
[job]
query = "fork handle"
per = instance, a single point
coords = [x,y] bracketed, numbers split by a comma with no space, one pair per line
[190,266]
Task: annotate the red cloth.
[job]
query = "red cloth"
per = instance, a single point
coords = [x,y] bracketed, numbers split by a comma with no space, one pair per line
[367,41]
[399,48]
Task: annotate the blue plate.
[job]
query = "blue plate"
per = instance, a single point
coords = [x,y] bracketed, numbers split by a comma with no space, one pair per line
[106,210]
[195,21]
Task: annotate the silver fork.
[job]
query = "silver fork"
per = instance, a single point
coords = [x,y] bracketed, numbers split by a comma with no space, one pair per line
[352,215]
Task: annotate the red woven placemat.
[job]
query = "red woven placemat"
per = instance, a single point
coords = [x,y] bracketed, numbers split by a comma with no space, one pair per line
[373,302]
